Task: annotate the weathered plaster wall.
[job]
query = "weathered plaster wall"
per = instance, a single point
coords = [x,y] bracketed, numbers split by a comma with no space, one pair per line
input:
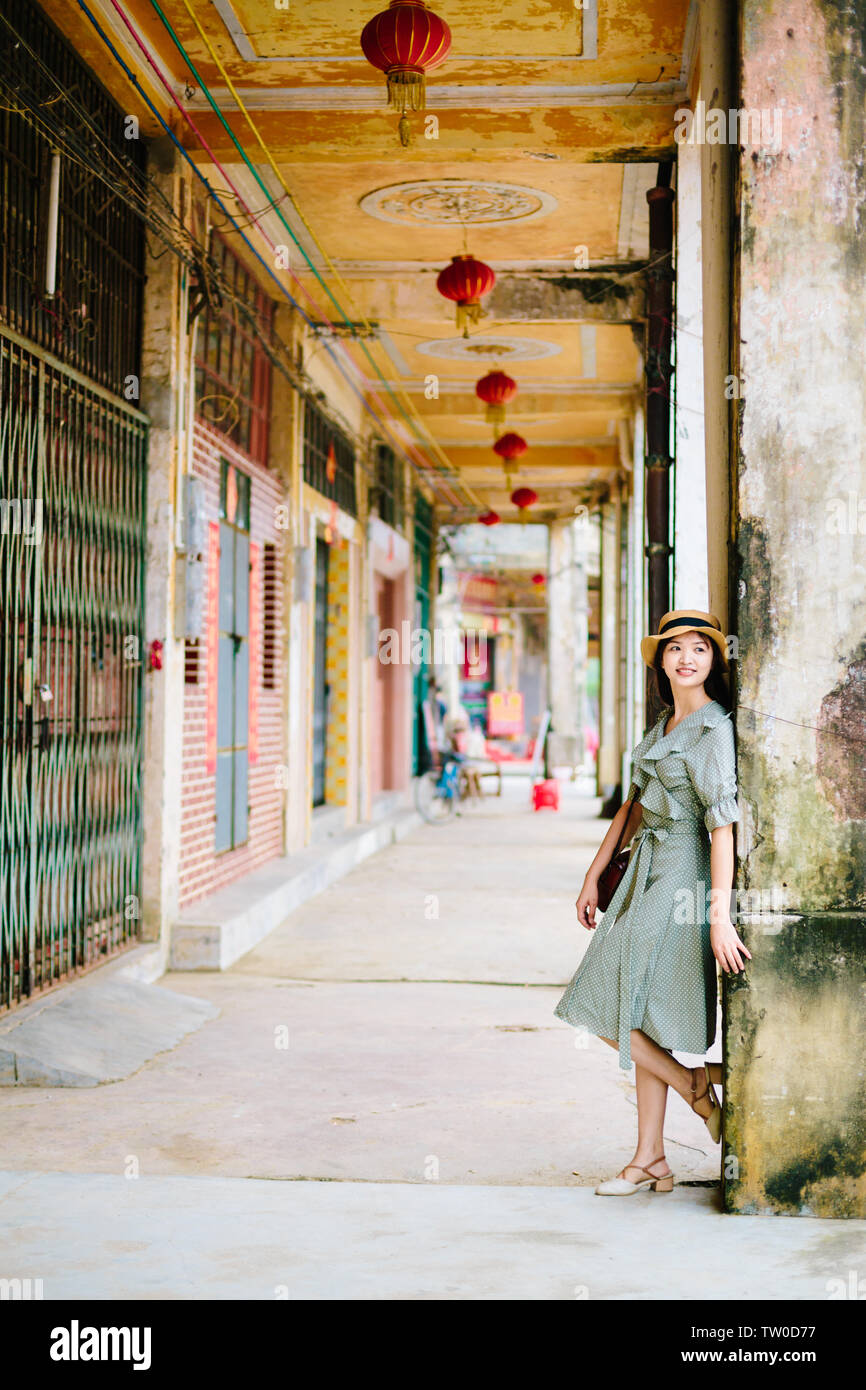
[796,1097]
[163,690]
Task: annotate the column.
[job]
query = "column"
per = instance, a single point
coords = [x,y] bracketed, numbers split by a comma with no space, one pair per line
[561,646]
[297,596]
[609,752]
[717,21]
[162,363]
[690,577]
[796,1102]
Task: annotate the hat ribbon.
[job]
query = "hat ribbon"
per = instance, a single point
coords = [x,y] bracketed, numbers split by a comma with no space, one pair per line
[686,622]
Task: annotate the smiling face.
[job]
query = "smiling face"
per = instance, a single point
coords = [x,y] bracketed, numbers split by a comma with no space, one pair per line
[687,660]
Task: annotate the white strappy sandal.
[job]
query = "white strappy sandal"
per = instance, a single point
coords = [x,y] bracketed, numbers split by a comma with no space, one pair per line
[621,1187]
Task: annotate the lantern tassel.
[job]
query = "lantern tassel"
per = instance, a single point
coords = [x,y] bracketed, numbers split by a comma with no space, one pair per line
[496,415]
[406,89]
[468,311]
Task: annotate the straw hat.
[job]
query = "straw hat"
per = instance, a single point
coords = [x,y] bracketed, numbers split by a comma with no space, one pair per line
[682,620]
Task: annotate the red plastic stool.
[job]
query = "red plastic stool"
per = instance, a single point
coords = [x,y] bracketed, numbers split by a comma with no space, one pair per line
[546,794]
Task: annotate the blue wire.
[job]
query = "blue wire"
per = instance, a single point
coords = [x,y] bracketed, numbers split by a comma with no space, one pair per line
[341,369]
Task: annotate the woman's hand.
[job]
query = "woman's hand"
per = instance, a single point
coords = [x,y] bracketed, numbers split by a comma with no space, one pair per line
[727,946]
[588,902]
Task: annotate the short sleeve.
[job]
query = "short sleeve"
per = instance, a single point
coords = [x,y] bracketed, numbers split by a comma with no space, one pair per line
[712,769]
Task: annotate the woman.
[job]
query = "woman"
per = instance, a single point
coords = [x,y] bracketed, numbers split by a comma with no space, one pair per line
[647,983]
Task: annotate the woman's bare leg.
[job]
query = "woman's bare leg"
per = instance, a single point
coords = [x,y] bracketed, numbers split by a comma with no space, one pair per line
[652,1096]
[646,1053]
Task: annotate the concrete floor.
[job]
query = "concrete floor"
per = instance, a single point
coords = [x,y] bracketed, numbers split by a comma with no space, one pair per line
[428,1110]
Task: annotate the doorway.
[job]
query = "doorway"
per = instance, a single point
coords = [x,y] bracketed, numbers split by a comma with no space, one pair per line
[320,682]
[382,730]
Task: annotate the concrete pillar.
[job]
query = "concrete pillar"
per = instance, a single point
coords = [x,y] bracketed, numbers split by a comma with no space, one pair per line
[796,1096]
[717,20]
[580,536]
[356,660]
[609,751]
[690,580]
[635,599]
[563,654]
[161,365]
[517,644]
[365,628]
[448,621]
[285,430]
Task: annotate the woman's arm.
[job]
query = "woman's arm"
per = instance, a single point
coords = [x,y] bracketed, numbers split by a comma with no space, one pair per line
[608,844]
[724,938]
[634,822]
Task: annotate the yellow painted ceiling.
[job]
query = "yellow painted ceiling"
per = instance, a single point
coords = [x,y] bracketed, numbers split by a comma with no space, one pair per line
[556,100]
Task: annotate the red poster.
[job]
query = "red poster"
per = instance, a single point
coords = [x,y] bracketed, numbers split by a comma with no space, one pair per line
[255,655]
[213,640]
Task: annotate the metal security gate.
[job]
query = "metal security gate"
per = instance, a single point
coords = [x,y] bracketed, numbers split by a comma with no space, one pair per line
[233,669]
[72,481]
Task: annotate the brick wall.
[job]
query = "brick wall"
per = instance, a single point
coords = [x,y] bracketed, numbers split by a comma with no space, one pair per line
[201,871]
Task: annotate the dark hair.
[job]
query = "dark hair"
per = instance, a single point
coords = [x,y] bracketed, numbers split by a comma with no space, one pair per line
[715,684]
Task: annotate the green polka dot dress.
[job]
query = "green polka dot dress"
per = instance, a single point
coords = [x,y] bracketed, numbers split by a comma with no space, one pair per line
[649,963]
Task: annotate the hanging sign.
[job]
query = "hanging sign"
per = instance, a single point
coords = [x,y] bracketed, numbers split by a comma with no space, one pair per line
[504,713]
[213,645]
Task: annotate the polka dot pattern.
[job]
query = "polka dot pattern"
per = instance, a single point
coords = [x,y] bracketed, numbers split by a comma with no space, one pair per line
[649,963]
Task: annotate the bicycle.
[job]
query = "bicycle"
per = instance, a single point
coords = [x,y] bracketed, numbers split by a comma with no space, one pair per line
[438,791]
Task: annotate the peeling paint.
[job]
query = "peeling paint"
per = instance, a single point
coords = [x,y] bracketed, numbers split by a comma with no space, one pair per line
[841,763]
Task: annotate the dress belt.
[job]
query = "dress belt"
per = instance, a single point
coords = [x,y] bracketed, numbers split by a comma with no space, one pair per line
[661,832]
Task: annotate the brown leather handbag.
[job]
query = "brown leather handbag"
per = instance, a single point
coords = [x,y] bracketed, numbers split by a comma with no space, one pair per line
[610,878]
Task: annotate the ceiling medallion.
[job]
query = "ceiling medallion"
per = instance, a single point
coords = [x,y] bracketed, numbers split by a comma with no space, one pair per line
[482,349]
[461,202]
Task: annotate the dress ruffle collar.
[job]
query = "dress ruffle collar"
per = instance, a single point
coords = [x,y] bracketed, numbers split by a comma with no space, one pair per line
[707,716]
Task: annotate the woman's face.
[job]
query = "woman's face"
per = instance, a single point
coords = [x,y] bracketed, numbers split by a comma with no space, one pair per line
[687,661]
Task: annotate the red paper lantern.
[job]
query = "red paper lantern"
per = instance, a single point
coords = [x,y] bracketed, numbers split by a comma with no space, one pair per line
[510,446]
[406,41]
[523,497]
[489,519]
[538,579]
[495,390]
[466,281]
